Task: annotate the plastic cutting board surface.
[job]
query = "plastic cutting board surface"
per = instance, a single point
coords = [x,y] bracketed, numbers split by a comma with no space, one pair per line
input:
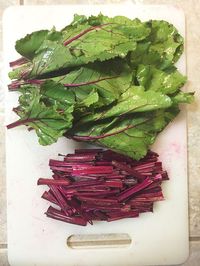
[159,238]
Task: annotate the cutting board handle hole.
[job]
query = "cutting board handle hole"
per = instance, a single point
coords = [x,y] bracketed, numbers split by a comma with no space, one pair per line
[86,241]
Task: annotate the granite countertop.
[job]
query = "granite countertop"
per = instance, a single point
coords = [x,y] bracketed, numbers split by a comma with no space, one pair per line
[192,12]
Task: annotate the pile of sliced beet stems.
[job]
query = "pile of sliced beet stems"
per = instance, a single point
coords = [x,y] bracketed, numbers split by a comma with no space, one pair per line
[101,185]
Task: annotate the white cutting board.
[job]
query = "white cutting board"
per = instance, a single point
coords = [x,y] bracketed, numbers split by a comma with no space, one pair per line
[160,238]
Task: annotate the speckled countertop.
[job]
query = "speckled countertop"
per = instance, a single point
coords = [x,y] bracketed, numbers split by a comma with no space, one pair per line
[192,12]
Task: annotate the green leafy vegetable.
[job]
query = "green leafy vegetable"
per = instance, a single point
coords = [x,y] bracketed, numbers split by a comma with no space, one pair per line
[107,81]
[167,82]
[74,46]
[162,48]
[130,135]
[48,123]
[29,45]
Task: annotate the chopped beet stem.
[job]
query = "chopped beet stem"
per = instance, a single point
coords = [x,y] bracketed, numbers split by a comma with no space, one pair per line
[102,185]
[62,202]
[127,169]
[93,170]
[131,191]
[55,182]
[47,196]
[59,215]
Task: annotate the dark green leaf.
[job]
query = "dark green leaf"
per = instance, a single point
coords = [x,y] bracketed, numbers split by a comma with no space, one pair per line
[131,135]
[167,82]
[28,45]
[183,97]
[48,123]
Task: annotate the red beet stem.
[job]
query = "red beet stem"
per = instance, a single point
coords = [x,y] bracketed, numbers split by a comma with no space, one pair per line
[131,191]
[93,170]
[59,215]
[98,194]
[86,183]
[102,185]
[62,202]
[58,182]
[104,163]
[101,215]
[48,196]
[62,163]
[114,183]
[80,157]
[127,169]
[61,168]
[121,215]
[98,201]
[18,62]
